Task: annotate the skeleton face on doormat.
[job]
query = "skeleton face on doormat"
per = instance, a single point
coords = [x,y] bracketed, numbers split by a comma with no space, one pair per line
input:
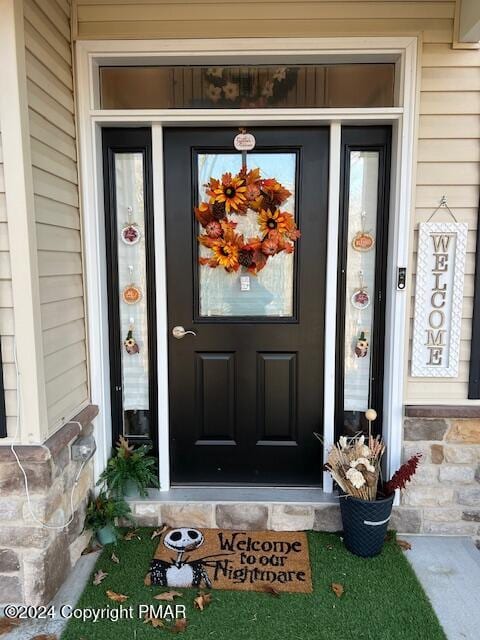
[216,558]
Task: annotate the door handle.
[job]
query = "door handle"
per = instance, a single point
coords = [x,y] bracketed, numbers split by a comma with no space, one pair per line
[179,333]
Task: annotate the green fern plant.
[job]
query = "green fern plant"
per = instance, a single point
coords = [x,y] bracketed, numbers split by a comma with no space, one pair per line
[104,510]
[130,464]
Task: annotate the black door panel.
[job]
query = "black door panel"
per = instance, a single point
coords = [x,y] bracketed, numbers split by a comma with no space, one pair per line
[246,393]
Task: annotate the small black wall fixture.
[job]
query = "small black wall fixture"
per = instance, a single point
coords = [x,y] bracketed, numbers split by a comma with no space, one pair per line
[3,413]
[474,379]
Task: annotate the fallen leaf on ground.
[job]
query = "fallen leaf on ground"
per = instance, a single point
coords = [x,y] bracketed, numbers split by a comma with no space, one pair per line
[168,595]
[403,544]
[132,535]
[99,576]
[7,624]
[43,636]
[179,626]
[329,547]
[269,589]
[91,548]
[116,597]
[155,622]
[202,600]
[114,558]
[337,589]
[158,532]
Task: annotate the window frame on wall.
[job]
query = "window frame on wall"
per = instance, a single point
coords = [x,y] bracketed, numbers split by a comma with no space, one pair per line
[129,140]
[377,139]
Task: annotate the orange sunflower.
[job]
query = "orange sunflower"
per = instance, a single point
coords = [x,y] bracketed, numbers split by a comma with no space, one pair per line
[231,191]
[225,249]
[277,221]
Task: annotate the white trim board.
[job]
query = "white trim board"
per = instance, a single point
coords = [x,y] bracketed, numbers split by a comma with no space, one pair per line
[89,54]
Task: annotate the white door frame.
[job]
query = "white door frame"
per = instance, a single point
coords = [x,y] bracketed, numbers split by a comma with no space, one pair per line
[90,54]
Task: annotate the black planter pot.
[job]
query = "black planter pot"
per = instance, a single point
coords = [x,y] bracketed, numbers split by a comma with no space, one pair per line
[365,524]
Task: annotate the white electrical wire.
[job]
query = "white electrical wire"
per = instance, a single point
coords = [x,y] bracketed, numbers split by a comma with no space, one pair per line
[20,466]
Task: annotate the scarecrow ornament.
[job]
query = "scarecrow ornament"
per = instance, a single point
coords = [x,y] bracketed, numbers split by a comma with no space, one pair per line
[360,298]
[131,294]
[361,347]
[130,233]
[363,240]
[130,344]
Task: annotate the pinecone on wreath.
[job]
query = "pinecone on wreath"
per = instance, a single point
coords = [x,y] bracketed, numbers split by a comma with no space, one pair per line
[218,210]
[245,258]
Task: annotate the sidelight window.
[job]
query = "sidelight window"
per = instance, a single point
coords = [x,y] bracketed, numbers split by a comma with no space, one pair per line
[363,235]
[130,280]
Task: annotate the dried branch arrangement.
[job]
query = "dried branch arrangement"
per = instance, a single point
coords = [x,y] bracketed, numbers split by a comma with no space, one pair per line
[355,465]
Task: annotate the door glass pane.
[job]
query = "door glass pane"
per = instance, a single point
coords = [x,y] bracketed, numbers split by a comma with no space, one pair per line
[249,86]
[129,181]
[360,285]
[270,293]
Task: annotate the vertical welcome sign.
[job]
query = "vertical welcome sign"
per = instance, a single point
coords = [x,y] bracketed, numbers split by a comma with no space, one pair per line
[438,299]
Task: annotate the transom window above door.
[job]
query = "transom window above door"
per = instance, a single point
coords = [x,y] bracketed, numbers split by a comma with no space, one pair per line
[250,87]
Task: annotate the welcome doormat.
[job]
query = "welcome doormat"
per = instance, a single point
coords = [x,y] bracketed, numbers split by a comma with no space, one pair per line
[224,559]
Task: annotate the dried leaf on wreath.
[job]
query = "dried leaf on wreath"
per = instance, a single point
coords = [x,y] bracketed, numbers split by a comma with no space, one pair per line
[337,589]
[7,624]
[132,535]
[99,577]
[115,558]
[403,544]
[271,590]
[158,532]
[202,600]
[116,597]
[155,622]
[180,625]
[168,595]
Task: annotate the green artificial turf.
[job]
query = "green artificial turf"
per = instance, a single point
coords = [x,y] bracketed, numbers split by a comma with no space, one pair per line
[382,600]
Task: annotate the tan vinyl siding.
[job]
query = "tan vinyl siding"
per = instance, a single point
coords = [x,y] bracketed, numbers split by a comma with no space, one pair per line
[6,311]
[55,182]
[449,108]
[448,162]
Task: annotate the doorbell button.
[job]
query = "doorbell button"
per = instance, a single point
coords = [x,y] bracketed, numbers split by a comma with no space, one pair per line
[401,278]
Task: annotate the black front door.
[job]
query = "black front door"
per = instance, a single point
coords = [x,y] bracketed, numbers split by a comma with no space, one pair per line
[246,387]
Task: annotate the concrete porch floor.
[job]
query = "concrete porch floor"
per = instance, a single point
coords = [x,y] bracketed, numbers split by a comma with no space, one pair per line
[447,567]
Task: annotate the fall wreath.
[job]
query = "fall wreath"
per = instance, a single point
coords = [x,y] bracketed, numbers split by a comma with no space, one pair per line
[236,195]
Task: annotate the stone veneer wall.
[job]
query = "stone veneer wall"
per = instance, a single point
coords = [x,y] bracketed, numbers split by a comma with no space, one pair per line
[322,516]
[34,561]
[444,497]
